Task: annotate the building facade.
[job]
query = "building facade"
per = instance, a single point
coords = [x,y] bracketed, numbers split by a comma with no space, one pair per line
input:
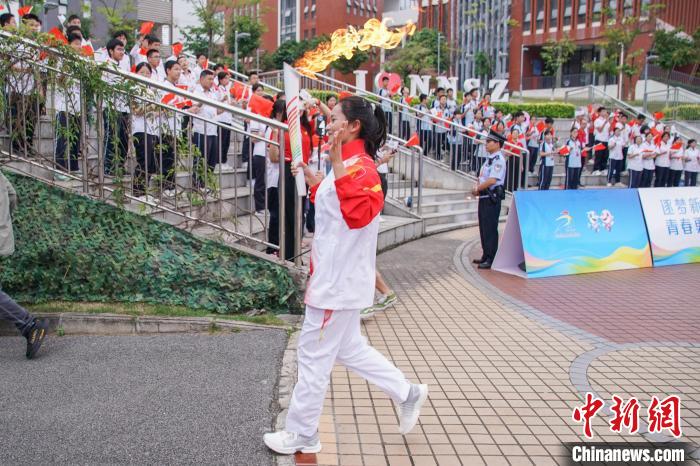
[585,21]
[482,28]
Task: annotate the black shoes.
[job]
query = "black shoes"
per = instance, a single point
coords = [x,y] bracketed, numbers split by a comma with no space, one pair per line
[485,265]
[35,337]
[478,261]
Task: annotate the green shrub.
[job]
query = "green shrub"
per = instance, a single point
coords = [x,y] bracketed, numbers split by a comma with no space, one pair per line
[540,110]
[683,112]
[71,248]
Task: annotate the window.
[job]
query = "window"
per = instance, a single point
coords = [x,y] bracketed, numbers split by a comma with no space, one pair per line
[527,17]
[567,13]
[553,14]
[628,8]
[582,6]
[597,6]
[540,14]
[644,10]
[612,11]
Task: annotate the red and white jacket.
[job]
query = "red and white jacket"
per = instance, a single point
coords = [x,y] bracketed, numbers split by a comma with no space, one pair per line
[344,248]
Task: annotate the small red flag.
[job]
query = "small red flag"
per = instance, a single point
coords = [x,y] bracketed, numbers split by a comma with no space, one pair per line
[509,123]
[564,150]
[177,48]
[540,126]
[181,86]
[598,147]
[632,123]
[58,35]
[396,88]
[677,146]
[659,116]
[413,140]
[133,68]
[183,103]
[88,51]
[143,51]
[167,98]
[657,140]
[590,109]
[344,94]
[239,91]
[260,106]
[655,132]
[146,28]
[25,10]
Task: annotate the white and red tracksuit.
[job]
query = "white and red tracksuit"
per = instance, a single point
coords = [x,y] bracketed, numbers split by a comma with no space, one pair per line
[342,283]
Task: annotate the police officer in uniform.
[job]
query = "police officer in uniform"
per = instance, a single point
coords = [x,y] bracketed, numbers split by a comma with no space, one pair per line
[491,192]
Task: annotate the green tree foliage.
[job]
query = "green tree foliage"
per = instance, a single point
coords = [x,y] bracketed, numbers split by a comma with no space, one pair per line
[246,46]
[554,55]
[120,15]
[292,50]
[419,55]
[674,49]
[483,66]
[348,66]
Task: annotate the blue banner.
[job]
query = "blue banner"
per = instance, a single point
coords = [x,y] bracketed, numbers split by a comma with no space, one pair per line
[567,232]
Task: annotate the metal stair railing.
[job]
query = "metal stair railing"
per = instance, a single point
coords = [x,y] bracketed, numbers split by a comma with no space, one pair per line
[404,121]
[160,172]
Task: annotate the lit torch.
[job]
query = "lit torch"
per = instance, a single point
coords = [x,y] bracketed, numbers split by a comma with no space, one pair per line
[344,43]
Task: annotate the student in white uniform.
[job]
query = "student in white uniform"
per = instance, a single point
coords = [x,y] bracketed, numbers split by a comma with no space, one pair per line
[204,133]
[649,153]
[692,163]
[546,154]
[348,201]
[144,130]
[676,167]
[424,124]
[158,73]
[601,134]
[386,104]
[635,164]
[187,77]
[223,89]
[279,113]
[67,101]
[405,115]
[663,161]
[615,145]
[573,160]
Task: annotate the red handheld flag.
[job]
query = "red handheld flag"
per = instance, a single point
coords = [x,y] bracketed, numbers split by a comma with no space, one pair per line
[167,98]
[659,115]
[590,109]
[540,126]
[260,106]
[25,10]
[657,140]
[677,146]
[655,132]
[146,28]
[564,150]
[58,35]
[509,123]
[181,86]
[183,103]
[344,94]
[143,51]
[177,48]
[413,140]
[396,88]
[239,91]
[598,147]
[88,51]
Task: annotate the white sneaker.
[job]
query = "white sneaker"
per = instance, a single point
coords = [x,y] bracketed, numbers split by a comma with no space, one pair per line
[621,185]
[288,443]
[169,193]
[60,177]
[609,185]
[409,410]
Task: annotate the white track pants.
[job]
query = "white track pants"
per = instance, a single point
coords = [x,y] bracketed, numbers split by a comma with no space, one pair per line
[327,337]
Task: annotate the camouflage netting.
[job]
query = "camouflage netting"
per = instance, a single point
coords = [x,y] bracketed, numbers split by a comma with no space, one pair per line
[72,248]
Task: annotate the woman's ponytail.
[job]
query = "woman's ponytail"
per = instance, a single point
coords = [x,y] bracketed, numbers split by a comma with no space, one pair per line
[372,122]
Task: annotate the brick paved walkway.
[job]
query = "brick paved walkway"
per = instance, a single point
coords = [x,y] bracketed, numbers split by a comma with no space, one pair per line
[504,375]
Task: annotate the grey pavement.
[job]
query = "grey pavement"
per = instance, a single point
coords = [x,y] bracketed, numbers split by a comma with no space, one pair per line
[164,399]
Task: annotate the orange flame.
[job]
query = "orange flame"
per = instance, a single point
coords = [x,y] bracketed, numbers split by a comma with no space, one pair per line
[344,43]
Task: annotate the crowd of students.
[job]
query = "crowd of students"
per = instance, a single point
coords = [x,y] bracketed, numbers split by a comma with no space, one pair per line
[649,151]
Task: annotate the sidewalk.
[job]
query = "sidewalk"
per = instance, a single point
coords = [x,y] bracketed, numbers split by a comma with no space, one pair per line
[504,377]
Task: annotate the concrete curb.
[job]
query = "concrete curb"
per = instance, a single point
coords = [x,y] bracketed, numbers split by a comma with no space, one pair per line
[117,324]
[288,377]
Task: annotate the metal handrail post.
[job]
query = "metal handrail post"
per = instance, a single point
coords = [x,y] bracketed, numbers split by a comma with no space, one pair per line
[420,180]
[281,193]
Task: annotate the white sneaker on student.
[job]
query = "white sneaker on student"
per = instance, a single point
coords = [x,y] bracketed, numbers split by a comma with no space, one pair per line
[169,193]
[609,185]
[409,410]
[288,443]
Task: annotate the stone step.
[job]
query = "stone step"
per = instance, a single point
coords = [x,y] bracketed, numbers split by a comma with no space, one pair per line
[442,206]
[443,227]
[468,213]
[432,195]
